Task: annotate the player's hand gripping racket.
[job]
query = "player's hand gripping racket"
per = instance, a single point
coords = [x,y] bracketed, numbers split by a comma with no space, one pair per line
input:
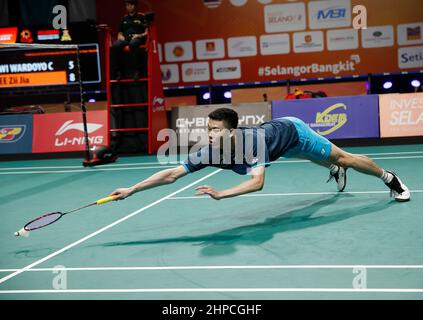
[50,218]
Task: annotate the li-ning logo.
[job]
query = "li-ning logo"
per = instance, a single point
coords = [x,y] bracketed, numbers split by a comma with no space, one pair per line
[158,100]
[335,120]
[158,104]
[12,134]
[91,127]
[68,125]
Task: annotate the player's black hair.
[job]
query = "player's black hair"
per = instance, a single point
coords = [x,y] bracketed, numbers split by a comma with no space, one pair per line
[228,116]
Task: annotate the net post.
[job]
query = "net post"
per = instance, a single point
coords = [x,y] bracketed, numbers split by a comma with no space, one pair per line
[83,107]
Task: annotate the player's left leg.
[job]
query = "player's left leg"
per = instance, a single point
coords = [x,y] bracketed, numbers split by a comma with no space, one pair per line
[320,150]
[367,166]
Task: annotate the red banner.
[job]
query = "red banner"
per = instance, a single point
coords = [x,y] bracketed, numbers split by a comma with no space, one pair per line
[63,132]
[8,35]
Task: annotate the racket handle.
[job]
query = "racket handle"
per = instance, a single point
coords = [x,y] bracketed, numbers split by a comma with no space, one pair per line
[105,200]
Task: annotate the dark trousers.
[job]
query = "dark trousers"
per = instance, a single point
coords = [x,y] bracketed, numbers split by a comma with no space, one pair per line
[137,58]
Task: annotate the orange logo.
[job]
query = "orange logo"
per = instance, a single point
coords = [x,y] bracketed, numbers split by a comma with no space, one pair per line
[189,72]
[26,36]
[210,46]
[308,38]
[178,52]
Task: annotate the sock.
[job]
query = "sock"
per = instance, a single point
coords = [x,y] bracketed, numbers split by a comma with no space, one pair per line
[386,176]
[333,169]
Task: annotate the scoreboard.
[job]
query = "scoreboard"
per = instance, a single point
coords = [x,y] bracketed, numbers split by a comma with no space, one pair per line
[23,67]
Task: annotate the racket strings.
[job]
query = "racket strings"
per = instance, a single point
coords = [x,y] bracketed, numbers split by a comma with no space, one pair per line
[43,221]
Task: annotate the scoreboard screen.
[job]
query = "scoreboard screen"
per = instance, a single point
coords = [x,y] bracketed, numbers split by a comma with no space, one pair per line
[23,67]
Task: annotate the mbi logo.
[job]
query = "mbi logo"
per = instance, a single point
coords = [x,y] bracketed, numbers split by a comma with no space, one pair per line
[332,13]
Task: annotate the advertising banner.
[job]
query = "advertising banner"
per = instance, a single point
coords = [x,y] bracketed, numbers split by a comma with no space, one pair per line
[63,132]
[8,35]
[401,115]
[334,118]
[190,123]
[15,134]
[232,41]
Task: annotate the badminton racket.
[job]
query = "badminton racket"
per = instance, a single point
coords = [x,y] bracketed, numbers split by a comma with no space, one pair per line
[50,218]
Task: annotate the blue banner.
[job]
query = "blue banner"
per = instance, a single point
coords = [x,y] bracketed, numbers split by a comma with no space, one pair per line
[15,134]
[335,118]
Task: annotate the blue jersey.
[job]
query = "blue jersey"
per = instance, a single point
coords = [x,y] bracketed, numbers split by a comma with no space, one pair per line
[259,147]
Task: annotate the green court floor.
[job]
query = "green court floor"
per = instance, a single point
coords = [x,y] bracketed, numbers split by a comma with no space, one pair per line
[296,239]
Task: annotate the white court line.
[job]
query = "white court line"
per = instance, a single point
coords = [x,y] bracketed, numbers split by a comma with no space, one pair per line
[86,170]
[390,153]
[220,268]
[105,228]
[79,167]
[198,290]
[381,158]
[175,163]
[294,194]
[392,158]
[172,166]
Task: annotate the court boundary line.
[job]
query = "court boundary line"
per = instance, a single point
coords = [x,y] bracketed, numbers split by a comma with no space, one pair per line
[88,170]
[201,290]
[93,234]
[288,194]
[176,162]
[4,172]
[228,267]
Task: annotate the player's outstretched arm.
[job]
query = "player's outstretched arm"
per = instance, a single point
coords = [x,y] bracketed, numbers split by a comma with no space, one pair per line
[252,185]
[160,178]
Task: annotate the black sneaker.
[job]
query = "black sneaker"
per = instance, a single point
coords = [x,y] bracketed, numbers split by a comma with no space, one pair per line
[398,189]
[340,177]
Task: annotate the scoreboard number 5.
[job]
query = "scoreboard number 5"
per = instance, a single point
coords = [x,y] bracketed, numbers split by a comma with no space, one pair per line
[71,66]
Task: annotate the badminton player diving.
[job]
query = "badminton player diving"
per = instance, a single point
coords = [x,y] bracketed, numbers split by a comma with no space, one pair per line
[248,151]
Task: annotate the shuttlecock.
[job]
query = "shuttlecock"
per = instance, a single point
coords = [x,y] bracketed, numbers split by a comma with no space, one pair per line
[22,233]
